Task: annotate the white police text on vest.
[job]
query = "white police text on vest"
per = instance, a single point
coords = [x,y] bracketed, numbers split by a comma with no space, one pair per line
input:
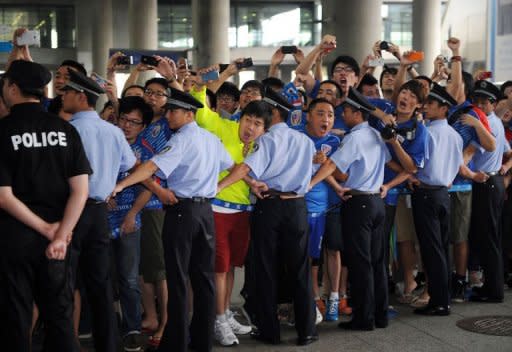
[39,140]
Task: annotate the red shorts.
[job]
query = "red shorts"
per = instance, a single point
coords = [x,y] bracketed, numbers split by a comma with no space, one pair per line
[232,240]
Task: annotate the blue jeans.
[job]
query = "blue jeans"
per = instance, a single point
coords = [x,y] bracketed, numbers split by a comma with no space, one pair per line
[126,251]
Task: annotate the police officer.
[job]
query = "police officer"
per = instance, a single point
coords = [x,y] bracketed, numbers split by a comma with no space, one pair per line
[43,189]
[191,162]
[109,154]
[282,165]
[485,232]
[362,155]
[431,202]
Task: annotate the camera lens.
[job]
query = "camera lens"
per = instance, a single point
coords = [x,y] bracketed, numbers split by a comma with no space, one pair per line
[384,45]
[388,132]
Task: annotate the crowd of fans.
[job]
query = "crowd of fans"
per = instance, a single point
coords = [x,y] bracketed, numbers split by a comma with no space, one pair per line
[479,231]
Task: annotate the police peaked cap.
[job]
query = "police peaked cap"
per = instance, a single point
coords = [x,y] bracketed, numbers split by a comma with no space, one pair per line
[441,95]
[358,101]
[486,89]
[81,83]
[181,100]
[29,76]
[276,100]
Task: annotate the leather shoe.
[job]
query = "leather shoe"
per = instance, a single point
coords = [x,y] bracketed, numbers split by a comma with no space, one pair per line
[307,340]
[256,335]
[348,325]
[433,310]
[479,294]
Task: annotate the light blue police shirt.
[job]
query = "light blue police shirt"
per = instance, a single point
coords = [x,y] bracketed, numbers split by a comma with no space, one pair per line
[283,159]
[191,162]
[363,155]
[491,161]
[443,156]
[107,150]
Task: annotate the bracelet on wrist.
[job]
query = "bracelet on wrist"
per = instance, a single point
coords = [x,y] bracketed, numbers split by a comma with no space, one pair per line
[456,58]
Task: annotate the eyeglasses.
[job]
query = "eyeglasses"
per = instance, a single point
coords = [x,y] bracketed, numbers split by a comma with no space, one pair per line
[157,94]
[129,122]
[346,69]
[251,92]
[225,99]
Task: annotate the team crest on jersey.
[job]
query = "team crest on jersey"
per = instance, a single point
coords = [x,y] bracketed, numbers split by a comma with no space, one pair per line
[325,148]
[296,117]
[155,130]
[165,149]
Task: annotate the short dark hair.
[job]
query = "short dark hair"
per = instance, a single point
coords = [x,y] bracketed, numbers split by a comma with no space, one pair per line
[273,82]
[129,104]
[330,81]
[92,99]
[367,80]
[228,88]
[416,88]
[254,84]
[130,87]
[391,70]
[259,109]
[425,78]
[504,86]
[349,60]
[157,80]
[76,65]
[317,101]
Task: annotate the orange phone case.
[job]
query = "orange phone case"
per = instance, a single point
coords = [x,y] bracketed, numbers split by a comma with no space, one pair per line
[416,56]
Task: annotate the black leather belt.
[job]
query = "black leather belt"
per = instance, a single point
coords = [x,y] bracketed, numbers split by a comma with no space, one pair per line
[199,200]
[355,192]
[91,201]
[429,187]
[273,194]
[492,173]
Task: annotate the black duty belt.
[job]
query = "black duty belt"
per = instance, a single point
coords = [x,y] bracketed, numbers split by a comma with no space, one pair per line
[199,200]
[92,201]
[355,192]
[492,173]
[273,194]
[429,187]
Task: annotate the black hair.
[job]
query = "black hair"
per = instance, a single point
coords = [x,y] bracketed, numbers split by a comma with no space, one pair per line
[92,99]
[416,88]
[228,88]
[504,86]
[364,114]
[157,80]
[425,78]
[129,104]
[259,109]
[273,82]
[211,98]
[349,60]
[367,80]
[76,65]
[254,84]
[469,83]
[391,70]
[130,87]
[330,81]
[317,101]
[55,105]
[107,104]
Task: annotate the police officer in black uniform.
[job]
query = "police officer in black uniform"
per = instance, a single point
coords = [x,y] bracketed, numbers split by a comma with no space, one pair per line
[43,189]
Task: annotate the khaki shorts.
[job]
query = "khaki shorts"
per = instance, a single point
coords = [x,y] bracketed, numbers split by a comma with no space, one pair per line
[404,222]
[460,216]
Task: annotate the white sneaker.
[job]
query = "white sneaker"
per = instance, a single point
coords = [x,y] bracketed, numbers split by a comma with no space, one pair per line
[224,335]
[237,328]
[319,316]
